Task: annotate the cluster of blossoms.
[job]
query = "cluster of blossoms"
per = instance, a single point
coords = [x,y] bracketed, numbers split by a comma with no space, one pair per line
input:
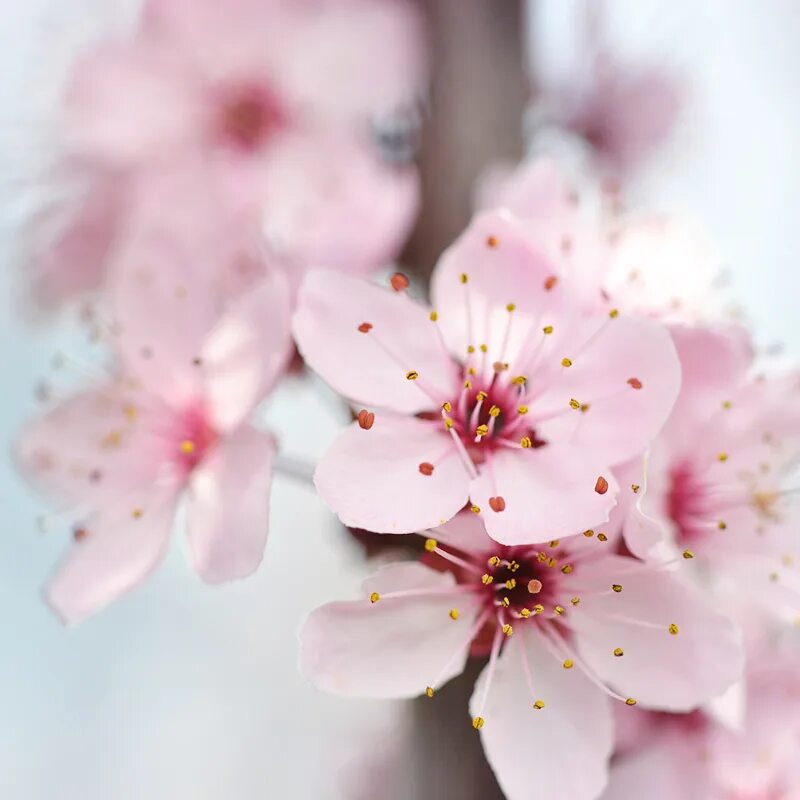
[594,482]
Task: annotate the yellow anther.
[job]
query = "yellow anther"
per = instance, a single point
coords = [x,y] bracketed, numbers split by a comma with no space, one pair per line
[429,691]
[575,601]
[464,277]
[630,702]
[573,403]
[687,554]
[552,562]
[513,566]
[494,561]
[519,380]
[618,652]
[585,407]
[467,384]
[617,587]
[566,569]
[475,509]
[722,457]
[727,404]
[507,629]
[447,406]
[480,397]
[448,424]
[505,602]
[538,705]
[674,629]
[568,664]
[526,442]
[434,316]
[542,557]
[635,488]
[470,349]
[511,307]
[614,313]
[478,722]
[187,447]
[374,597]
[588,534]
[559,610]
[453,613]
[601,537]
[547,330]
[494,411]
[722,525]
[412,375]
[522,410]
[486,579]
[538,609]
[431,545]
[511,583]
[566,362]
[482,430]
[137,513]
[525,613]
[484,348]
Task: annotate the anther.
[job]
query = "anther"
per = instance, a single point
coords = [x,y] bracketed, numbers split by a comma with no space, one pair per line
[494,411]
[635,488]
[365,327]
[614,313]
[497,504]
[374,597]
[494,561]
[558,610]
[519,380]
[399,282]
[534,586]
[79,534]
[480,397]
[187,447]
[687,554]
[447,406]
[412,375]
[484,348]
[550,282]
[525,613]
[722,525]
[482,430]
[486,579]
[547,330]
[429,691]
[511,583]
[555,542]
[431,545]
[475,509]
[618,652]
[601,486]
[366,419]
[573,403]
[723,456]
[526,442]
[630,702]
[464,277]
[478,723]
[634,383]
[511,307]
[434,316]
[566,362]
[566,569]
[727,404]
[674,629]
[568,664]
[137,513]
[453,613]
[588,534]
[507,629]
[492,241]
[575,601]
[505,602]
[617,587]
[522,410]
[426,468]
[601,537]
[538,705]
[538,609]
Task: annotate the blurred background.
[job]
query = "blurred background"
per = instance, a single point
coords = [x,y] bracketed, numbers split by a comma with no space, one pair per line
[186,690]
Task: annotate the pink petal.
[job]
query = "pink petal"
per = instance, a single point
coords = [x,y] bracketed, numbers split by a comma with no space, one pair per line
[658,669]
[557,480]
[503,265]
[629,375]
[124,542]
[558,751]
[94,446]
[332,306]
[246,351]
[372,480]
[395,647]
[228,516]
[465,532]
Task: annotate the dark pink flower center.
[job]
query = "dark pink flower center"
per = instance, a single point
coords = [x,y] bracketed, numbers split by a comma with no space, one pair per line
[249,114]
[688,505]
[193,438]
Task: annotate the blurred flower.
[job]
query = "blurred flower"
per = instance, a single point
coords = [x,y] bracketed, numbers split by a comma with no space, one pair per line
[508,395]
[716,488]
[278,102]
[569,623]
[193,364]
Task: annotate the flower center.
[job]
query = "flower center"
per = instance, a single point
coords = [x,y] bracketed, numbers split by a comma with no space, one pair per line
[249,115]
[194,437]
[688,505]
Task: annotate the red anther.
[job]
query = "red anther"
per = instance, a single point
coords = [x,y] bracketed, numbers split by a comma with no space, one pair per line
[399,282]
[601,487]
[79,534]
[497,504]
[550,282]
[492,241]
[426,468]
[499,366]
[365,327]
[634,383]
[365,419]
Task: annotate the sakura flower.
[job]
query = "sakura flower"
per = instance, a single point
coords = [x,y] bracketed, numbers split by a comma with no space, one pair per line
[172,421]
[716,488]
[570,624]
[507,395]
[694,757]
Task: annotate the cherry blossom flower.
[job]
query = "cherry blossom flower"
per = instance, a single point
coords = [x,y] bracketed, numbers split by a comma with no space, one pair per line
[570,624]
[692,756]
[716,488]
[507,395]
[277,103]
[171,421]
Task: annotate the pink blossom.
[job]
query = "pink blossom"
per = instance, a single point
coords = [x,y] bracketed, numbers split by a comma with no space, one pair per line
[507,396]
[568,625]
[172,421]
[716,485]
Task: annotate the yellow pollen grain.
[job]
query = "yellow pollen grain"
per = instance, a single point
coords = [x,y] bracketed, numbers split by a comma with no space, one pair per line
[568,664]
[431,545]
[412,375]
[547,330]
[374,597]
[475,509]
[526,442]
[575,601]
[511,307]
[617,587]
[507,629]
[187,447]
[454,613]
[522,410]
[538,705]
[486,579]
[478,723]
[566,362]
[434,316]
[673,629]
[630,702]
[429,691]
[618,652]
